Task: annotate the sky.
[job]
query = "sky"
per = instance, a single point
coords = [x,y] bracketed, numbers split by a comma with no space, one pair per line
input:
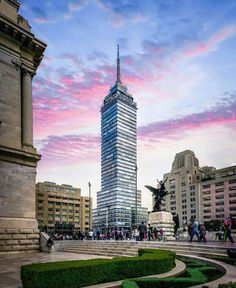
[178,60]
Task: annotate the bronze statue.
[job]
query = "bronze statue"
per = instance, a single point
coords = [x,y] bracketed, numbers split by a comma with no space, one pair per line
[159,194]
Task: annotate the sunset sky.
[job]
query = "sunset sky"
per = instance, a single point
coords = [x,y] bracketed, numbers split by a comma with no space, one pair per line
[178,60]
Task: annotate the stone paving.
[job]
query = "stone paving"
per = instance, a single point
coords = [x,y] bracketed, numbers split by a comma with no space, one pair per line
[10,265]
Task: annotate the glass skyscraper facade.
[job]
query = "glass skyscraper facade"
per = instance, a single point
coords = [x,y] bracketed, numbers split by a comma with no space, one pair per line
[118,199]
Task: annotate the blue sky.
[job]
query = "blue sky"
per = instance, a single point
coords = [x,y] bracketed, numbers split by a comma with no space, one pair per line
[178,60]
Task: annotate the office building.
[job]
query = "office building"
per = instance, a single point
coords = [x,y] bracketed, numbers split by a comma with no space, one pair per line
[184,185]
[61,208]
[118,196]
[219,193]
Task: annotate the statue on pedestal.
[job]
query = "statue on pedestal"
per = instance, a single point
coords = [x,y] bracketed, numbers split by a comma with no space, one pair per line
[159,194]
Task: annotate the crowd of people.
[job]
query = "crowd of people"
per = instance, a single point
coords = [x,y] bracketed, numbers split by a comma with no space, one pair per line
[198,230]
[148,233]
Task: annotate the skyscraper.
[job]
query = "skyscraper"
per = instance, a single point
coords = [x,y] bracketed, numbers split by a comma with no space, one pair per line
[118,196]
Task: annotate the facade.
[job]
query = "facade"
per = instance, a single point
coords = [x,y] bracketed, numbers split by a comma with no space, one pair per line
[61,208]
[184,184]
[219,193]
[118,196]
[20,55]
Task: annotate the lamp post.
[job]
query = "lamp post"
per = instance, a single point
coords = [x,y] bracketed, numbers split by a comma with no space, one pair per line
[89,185]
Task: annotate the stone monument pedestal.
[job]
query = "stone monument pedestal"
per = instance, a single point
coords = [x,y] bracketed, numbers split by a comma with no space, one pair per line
[164,220]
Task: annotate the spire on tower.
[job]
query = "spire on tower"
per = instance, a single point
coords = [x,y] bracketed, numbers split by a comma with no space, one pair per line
[118,80]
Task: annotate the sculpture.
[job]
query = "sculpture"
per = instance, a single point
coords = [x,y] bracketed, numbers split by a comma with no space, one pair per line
[159,194]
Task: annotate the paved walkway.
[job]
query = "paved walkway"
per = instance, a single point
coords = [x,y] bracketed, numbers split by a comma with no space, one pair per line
[10,264]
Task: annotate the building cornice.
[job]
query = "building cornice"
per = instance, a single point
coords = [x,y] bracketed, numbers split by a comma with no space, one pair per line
[24,38]
[19,156]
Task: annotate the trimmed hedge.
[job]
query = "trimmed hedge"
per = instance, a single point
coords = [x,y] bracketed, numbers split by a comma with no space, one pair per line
[195,274]
[70,274]
[228,285]
[196,278]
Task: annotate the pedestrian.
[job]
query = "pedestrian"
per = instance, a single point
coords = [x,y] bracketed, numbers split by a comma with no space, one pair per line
[49,244]
[202,232]
[98,234]
[162,234]
[142,230]
[116,234]
[195,231]
[90,234]
[121,234]
[150,232]
[227,230]
[190,229]
[136,234]
[155,232]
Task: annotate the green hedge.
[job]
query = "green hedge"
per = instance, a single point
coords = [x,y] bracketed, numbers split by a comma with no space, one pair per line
[227,285]
[69,274]
[196,278]
[196,273]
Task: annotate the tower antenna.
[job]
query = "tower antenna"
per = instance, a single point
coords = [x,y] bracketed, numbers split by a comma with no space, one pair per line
[118,80]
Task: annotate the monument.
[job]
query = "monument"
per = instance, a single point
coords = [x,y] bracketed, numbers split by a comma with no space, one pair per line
[20,55]
[157,218]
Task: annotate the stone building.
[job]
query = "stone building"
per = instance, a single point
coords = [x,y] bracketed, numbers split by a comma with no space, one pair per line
[184,184]
[61,208]
[219,193]
[20,55]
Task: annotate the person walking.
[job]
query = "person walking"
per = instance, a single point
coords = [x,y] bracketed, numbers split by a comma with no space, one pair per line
[150,232]
[202,233]
[49,244]
[227,230]
[195,231]
[142,230]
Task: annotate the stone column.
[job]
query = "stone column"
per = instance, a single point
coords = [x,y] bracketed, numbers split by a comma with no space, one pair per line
[27,114]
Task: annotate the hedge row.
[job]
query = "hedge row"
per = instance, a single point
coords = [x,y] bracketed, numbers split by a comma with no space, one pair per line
[228,285]
[192,276]
[70,274]
[196,278]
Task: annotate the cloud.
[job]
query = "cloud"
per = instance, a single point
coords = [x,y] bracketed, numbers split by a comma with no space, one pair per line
[123,11]
[223,113]
[205,47]
[68,150]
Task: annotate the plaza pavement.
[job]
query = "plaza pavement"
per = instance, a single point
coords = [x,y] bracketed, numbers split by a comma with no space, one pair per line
[10,265]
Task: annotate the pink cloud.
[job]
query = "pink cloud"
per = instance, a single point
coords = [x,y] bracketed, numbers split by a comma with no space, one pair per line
[217,38]
[41,20]
[222,114]
[68,150]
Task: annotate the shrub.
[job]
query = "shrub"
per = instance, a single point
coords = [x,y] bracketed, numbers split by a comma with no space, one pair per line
[228,285]
[69,274]
[198,272]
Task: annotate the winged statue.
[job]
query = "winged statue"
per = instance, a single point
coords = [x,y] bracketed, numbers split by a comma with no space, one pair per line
[159,194]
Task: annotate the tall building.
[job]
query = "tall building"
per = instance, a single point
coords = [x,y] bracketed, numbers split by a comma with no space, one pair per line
[61,208]
[20,55]
[118,196]
[184,184]
[219,193]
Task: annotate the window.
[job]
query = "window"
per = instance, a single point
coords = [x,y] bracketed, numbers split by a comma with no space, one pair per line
[219,183]
[206,186]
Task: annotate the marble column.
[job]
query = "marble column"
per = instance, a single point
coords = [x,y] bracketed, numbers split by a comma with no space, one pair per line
[27,109]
